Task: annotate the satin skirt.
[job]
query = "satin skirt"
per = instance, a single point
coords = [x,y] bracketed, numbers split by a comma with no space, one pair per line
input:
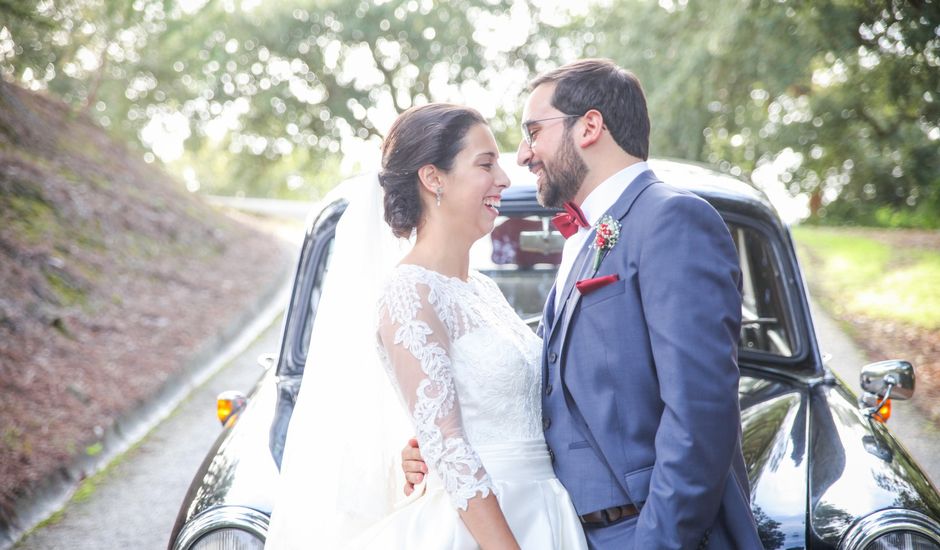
[535,504]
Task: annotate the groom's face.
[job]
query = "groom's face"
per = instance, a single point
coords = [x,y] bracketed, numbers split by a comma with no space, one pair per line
[550,153]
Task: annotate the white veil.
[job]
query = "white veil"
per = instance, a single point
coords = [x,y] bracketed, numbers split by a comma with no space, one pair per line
[341,466]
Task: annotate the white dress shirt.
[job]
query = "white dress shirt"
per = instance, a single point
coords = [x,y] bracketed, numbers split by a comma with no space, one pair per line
[594,206]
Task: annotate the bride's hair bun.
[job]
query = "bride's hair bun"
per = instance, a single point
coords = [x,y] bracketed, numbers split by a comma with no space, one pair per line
[429,134]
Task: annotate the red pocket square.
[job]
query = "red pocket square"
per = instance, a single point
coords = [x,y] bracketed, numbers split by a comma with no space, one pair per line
[588,286]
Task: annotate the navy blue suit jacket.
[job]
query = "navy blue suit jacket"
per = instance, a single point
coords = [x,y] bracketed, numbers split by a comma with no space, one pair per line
[640,399]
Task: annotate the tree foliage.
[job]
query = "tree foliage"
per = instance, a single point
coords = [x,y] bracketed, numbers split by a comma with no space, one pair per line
[277,98]
[844,92]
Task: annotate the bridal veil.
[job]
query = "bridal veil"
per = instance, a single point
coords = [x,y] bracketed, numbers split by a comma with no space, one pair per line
[341,467]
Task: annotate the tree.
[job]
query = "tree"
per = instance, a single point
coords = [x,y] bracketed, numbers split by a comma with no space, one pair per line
[876,89]
[296,84]
[845,88]
[269,95]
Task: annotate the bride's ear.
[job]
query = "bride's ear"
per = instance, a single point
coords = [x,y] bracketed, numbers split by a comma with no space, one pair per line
[430,178]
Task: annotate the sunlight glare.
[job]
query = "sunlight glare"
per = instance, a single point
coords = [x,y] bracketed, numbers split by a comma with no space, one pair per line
[767,177]
[165,134]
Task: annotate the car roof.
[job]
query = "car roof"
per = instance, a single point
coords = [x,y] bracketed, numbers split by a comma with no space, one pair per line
[726,193]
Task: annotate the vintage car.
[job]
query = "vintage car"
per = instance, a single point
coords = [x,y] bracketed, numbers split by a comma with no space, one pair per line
[825,472]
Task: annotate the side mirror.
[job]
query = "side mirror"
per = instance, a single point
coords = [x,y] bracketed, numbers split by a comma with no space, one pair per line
[893,377]
[883,381]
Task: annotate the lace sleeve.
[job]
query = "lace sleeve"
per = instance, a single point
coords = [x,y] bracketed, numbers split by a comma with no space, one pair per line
[416,346]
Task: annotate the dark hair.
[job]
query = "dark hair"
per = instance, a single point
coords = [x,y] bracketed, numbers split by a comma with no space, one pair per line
[615,92]
[429,134]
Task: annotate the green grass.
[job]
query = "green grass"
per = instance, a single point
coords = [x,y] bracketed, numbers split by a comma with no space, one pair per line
[31,218]
[67,292]
[859,275]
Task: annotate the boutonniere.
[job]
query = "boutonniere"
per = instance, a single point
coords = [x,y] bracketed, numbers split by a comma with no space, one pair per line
[606,234]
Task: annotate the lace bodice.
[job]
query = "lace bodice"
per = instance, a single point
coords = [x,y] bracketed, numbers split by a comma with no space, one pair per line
[465,365]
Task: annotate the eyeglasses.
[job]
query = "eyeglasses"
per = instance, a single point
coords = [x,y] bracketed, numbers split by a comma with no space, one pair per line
[527,133]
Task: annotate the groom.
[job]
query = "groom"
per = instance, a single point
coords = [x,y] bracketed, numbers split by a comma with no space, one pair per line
[640,378]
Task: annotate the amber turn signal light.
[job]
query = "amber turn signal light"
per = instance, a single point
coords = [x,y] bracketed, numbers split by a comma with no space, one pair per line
[228,404]
[884,411]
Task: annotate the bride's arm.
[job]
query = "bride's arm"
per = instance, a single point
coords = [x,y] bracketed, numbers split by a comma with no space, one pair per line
[417,346]
[486,522]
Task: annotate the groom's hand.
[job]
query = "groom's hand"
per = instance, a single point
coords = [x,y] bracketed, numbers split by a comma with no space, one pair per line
[413,466]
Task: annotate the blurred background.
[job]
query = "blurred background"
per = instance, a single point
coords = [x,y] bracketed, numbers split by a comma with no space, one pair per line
[833,102]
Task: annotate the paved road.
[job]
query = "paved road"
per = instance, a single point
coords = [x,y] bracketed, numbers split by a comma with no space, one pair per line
[136,500]
[919,435]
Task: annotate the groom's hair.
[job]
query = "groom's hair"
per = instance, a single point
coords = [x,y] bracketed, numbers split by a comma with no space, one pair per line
[616,92]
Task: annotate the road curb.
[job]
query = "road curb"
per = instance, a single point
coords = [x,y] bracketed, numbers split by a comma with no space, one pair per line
[53,493]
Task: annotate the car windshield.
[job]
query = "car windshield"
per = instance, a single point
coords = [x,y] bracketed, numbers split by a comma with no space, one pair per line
[522,254]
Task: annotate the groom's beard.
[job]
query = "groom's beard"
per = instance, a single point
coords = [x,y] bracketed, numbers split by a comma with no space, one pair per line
[563,177]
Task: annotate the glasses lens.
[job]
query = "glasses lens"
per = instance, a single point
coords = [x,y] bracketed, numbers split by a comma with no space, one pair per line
[527,135]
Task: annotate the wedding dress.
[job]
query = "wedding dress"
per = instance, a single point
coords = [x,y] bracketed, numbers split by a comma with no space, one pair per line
[468,370]
[458,369]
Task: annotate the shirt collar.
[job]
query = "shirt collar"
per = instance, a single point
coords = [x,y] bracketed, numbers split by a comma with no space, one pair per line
[606,194]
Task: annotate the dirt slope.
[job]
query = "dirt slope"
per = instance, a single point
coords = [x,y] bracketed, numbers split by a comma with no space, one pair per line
[111,276]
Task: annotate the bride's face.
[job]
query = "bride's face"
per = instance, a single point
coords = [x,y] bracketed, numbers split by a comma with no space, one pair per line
[472,188]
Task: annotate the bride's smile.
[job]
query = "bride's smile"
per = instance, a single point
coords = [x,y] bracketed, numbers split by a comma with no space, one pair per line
[470,190]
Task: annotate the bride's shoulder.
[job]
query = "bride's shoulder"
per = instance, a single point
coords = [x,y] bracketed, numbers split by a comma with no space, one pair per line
[408,274]
[405,279]
[485,280]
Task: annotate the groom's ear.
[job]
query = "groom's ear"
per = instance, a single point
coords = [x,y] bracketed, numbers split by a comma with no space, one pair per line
[592,128]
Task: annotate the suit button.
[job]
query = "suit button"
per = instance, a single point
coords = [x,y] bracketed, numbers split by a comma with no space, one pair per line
[546,423]
[548,389]
[552,357]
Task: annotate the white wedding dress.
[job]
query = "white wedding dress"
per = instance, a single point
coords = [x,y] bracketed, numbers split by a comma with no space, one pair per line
[468,370]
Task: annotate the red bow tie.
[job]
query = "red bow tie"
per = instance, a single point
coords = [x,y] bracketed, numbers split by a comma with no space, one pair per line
[570,220]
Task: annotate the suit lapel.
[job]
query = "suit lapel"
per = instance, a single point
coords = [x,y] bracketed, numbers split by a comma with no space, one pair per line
[585,272]
[619,210]
[548,314]
[573,276]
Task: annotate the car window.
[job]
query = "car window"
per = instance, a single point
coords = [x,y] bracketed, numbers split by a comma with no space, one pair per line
[766,323]
[522,254]
[319,270]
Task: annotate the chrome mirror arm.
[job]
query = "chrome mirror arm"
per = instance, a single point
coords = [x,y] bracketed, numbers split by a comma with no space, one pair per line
[873,409]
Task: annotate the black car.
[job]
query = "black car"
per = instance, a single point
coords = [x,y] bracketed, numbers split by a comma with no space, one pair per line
[825,472]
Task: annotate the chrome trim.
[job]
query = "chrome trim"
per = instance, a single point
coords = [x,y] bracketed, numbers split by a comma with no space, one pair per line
[222,517]
[894,377]
[267,360]
[872,526]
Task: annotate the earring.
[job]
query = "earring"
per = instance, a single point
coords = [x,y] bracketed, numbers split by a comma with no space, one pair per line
[439,192]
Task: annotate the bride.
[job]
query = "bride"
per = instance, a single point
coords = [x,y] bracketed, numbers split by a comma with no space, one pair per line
[458,363]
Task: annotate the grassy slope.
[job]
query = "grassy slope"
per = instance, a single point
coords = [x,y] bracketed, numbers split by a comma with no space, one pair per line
[111,277]
[884,287]
[876,278]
